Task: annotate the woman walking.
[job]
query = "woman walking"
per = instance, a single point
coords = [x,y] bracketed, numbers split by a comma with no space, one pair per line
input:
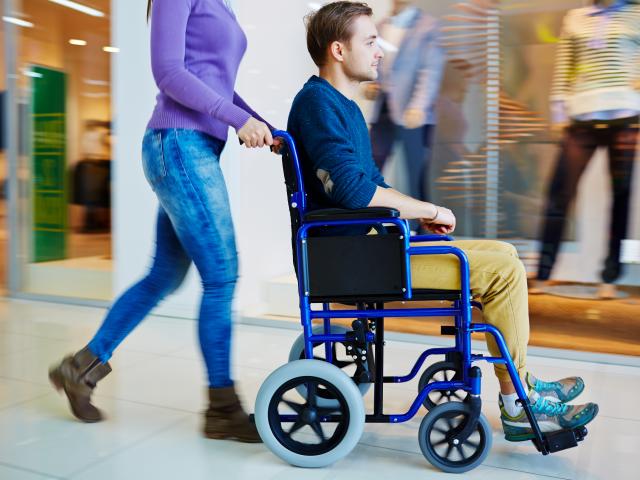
[196,48]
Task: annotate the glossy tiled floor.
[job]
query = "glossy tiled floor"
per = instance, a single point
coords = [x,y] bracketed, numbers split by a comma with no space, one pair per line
[155,394]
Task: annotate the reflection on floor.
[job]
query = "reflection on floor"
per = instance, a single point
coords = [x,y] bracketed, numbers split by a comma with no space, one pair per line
[155,395]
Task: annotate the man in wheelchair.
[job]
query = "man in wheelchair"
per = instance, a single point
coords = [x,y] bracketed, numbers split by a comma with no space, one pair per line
[339,172]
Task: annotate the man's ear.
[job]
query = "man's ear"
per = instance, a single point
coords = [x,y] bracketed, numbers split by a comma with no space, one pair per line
[337,51]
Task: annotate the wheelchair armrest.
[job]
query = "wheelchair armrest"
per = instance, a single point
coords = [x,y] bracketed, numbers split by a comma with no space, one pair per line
[329,214]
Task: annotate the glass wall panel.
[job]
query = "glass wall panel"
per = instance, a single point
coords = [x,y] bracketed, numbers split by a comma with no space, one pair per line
[63,93]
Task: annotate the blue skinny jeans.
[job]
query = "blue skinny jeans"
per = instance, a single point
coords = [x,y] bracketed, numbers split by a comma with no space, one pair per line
[194,224]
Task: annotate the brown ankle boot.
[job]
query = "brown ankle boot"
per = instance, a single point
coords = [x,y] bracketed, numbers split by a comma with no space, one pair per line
[225,417]
[77,375]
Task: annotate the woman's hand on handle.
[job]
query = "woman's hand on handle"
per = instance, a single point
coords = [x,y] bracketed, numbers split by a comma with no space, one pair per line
[255,134]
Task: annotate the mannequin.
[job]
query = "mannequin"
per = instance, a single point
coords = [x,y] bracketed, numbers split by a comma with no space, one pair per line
[596,102]
[407,91]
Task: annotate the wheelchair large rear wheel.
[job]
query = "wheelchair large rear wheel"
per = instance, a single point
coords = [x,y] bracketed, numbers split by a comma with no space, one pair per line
[341,359]
[438,442]
[440,372]
[291,425]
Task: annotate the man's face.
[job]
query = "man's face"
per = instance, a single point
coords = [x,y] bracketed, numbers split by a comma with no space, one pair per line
[362,55]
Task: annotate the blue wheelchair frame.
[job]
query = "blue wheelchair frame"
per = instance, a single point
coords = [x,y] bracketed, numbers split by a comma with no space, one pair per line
[461,310]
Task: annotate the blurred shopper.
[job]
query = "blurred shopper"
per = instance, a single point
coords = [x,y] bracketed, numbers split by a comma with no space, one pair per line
[196,47]
[596,99]
[407,91]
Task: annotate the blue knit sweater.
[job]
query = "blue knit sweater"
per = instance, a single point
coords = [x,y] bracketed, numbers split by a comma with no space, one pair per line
[334,148]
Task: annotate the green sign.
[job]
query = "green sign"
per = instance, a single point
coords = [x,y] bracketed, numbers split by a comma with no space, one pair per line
[48,100]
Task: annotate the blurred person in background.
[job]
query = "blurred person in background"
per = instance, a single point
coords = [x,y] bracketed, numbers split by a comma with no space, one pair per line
[196,48]
[596,103]
[407,91]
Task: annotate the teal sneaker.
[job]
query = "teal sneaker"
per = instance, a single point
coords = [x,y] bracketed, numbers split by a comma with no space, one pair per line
[552,416]
[563,390]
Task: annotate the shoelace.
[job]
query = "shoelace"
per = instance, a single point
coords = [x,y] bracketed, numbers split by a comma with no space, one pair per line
[541,385]
[550,409]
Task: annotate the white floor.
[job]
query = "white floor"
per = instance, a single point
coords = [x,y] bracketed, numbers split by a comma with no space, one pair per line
[155,396]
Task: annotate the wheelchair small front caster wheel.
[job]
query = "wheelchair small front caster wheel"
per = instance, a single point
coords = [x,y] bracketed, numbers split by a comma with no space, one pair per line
[296,428]
[439,443]
[341,359]
[440,372]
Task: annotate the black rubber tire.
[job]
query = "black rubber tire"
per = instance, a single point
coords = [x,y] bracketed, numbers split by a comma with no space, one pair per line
[439,424]
[280,440]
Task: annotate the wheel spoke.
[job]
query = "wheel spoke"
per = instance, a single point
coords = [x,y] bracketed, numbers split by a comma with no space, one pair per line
[444,441]
[440,397]
[317,427]
[461,452]
[441,430]
[446,375]
[448,452]
[472,444]
[296,426]
[312,392]
[296,407]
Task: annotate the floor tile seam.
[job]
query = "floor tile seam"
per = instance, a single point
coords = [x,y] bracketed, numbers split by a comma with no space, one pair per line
[30,382]
[95,395]
[23,402]
[124,448]
[40,337]
[147,404]
[29,470]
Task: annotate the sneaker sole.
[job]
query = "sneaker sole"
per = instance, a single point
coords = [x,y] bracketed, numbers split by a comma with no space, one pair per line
[528,435]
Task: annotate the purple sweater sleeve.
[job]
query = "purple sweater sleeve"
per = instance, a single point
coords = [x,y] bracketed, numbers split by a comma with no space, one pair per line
[168,39]
[239,102]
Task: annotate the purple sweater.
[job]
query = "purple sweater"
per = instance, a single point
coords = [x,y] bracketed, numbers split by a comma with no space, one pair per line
[196,49]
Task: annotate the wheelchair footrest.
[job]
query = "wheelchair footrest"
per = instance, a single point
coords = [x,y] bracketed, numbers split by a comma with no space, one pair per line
[564,439]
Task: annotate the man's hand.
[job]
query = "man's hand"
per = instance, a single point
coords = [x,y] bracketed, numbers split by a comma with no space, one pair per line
[413,118]
[255,133]
[371,90]
[443,224]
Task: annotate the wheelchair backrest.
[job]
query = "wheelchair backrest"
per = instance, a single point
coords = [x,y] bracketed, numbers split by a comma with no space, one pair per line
[353,273]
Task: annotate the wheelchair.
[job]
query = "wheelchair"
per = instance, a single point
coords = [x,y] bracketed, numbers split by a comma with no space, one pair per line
[310,411]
